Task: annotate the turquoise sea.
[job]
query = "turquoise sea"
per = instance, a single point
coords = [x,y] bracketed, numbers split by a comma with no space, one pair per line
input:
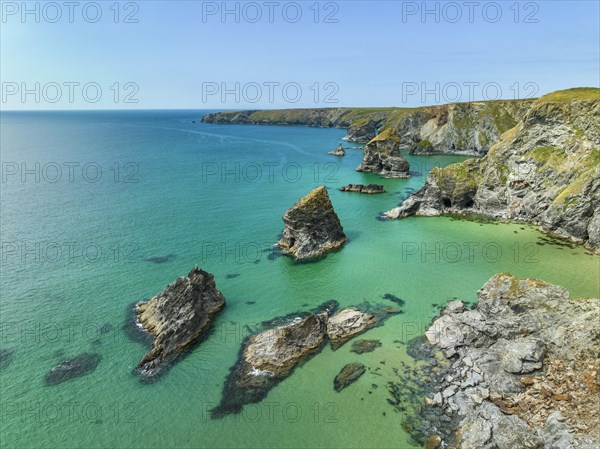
[100,210]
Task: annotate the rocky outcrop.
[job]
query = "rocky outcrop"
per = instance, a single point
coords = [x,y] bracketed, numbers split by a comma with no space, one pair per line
[348,375]
[545,170]
[178,317]
[70,369]
[270,356]
[522,368]
[348,323]
[382,156]
[312,227]
[361,188]
[339,151]
[457,128]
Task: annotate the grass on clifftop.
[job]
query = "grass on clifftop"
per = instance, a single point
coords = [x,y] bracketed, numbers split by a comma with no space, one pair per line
[577,93]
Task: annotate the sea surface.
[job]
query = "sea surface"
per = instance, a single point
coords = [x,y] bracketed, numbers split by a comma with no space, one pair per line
[100,210]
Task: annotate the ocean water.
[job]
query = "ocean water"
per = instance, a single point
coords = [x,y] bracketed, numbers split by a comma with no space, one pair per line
[100,210]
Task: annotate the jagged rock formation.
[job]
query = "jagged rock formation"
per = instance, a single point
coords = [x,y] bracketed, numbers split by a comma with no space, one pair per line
[361,188]
[270,356]
[178,317]
[348,375]
[312,227]
[545,170]
[382,156]
[457,128]
[522,367]
[339,151]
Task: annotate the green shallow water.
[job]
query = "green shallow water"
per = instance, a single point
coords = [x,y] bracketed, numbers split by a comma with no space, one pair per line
[54,309]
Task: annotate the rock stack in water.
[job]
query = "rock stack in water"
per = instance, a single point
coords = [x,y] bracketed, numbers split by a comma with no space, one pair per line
[312,227]
[382,155]
[178,317]
[339,151]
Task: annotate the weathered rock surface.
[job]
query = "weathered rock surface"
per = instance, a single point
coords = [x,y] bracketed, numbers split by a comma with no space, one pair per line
[270,356]
[382,156]
[69,369]
[348,375]
[347,323]
[312,227]
[178,317]
[522,367]
[361,188]
[545,170]
[339,151]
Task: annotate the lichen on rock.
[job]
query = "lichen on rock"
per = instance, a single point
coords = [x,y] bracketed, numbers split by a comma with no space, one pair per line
[312,227]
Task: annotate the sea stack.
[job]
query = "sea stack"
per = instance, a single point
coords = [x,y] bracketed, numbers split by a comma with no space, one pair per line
[312,227]
[339,151]
[382,156]
[178,317]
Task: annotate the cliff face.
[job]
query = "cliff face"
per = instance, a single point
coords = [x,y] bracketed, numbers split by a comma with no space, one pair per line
[545,170]
[382,156]
[458,128]
[312,227]
[177,317]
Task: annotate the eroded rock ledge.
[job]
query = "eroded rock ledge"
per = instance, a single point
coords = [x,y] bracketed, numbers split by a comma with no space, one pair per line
[361,188]
[521,368]
[270,356]
[312,227]
[178,317]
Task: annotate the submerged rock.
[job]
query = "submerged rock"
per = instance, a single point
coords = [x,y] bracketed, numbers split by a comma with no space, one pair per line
[312,227]
[382,156]
[6,356]
[69,369]
[339,151]
[348,375]
[362,346]
[361,188]
[178,317]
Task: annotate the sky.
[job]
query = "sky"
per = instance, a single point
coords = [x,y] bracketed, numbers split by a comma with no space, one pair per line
[272,54]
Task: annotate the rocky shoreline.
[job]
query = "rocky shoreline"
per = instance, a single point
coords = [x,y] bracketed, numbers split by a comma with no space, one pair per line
[518,370]
[545,171]
[456,128]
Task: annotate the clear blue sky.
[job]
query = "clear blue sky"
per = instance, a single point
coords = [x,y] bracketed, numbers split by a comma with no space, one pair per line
[375,53]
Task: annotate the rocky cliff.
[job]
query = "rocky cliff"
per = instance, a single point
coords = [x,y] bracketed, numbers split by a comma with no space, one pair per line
[545,170]
[520,370]
[312,227]
[457,128]
[178,317]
